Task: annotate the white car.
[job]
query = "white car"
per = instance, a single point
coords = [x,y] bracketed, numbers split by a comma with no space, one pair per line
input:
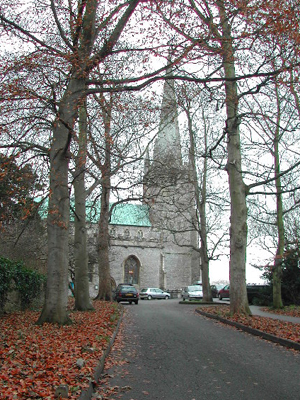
[194,292]
[154,293]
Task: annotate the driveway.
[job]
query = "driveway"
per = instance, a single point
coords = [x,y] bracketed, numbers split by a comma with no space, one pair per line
[170,352]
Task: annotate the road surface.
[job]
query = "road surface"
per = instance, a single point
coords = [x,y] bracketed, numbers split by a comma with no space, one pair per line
[170,352]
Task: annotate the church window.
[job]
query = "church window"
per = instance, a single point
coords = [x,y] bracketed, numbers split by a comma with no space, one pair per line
[131,270]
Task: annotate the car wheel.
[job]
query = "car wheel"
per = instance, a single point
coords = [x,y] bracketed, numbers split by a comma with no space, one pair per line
[167,297]
[149,297]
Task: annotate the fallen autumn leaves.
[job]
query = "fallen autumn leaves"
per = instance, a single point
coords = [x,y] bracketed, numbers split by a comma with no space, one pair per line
[281,329]
[35,360]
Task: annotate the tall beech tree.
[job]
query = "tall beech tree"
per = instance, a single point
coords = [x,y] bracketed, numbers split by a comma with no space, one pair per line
[274,125]
[106,172]
[58,218]
[237,187]
[81,35]
[81,280]
[211,204]
[119,124]
[210,30]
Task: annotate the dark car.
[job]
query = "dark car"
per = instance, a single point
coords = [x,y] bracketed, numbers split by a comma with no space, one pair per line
[114,291]
[215,290]
[224,293]
[127,292]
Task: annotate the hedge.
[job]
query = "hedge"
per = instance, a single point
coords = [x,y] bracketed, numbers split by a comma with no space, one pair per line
[15,276]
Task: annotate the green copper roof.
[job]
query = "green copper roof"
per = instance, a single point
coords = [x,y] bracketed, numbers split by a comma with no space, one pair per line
[122,214]
[130,214]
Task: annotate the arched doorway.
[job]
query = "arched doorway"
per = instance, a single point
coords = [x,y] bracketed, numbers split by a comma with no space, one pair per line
[131,270]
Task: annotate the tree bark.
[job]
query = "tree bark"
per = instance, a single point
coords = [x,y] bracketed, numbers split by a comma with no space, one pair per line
[200,198]
[82,296]
[203,226]
[55,307]
[277,270]
[237,188]
[105,289]
[105,292]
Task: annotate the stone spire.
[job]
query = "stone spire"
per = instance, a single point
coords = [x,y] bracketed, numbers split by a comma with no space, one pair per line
[146,173]
[146,161]
[167,147]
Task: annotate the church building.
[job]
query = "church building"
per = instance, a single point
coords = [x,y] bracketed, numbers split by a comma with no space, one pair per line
[155,244]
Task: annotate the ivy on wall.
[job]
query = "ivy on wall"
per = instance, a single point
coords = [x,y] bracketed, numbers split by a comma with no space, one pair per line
[14,275]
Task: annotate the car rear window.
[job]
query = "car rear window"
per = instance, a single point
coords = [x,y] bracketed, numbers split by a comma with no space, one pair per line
[195,288]
[128,288]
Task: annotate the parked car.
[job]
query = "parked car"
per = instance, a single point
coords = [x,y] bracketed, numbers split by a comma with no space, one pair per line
[127,292]
[114,291]
[192,292]
[224,292]
[197,283]
[215,290]
[154,293]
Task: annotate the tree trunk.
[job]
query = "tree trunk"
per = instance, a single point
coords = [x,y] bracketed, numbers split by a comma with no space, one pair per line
[203,227]
[82,296]
[237,188]
[105,282]
[55,307]
[200,198]
[103,249]
[277,270]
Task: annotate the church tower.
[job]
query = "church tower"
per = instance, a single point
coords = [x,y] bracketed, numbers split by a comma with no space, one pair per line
[167,147]
[171,198]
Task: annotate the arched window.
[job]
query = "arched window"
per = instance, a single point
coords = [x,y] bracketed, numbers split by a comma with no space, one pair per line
[131,270]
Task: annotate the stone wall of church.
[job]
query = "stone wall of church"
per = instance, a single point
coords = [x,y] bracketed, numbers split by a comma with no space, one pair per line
[160,263]
[144,245]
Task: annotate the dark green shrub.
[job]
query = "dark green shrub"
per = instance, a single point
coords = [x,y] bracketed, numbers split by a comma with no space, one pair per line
[15,276]
[6,273]
[290,276]
[259,295]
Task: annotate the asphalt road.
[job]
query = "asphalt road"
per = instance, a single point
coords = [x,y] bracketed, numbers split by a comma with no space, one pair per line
[170,352]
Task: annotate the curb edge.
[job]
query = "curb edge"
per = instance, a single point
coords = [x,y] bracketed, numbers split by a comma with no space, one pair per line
[87,393]
[267,336]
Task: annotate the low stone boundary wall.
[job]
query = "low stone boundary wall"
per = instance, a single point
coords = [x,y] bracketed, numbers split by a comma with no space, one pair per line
[13,302]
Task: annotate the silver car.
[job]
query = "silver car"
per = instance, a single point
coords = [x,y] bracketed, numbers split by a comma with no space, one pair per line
[154,293]
[194,292]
